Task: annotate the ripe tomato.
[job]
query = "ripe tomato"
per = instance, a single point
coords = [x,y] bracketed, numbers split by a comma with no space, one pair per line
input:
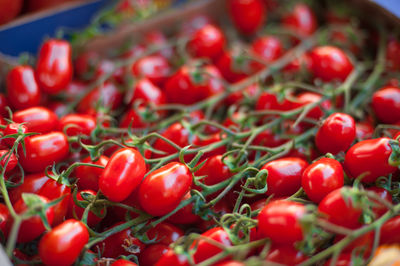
[170,258]
[369,158]
[185,215]
[318,111]
[54,66]
[37,119]
[364,130]
[132,119]
[330,63]
[214,170]
[266,48]
[8,158]
[270,101]
[165,233]
[22,88]
[151,254]
[390,231]
[88,177]
[175,133]
[321,178]
[122,262]
[285,254]
[63,244]
[284,176]
[77,124]
[162,190]
[54,190]
[280,221]
[154,67]
[379,209]
[4,219]
[145,91]
[248,16]
[74,209]
[393,55]
[121,243]
[32,184]
[208,42]
[336,134]
[205,249]
[43,150]
[33,227]
[233,66]
[335,204]
[301,20]
[386,104]
[122,174]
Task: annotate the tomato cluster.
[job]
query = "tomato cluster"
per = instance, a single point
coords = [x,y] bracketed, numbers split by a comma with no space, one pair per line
[206,148]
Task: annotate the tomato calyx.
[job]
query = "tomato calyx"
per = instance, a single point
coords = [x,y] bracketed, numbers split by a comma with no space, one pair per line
[394,159]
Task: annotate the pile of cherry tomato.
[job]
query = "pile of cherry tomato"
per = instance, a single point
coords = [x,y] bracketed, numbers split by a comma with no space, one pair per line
[268,138]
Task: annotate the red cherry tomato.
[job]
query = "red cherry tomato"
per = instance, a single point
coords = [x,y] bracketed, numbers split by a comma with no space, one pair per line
[248,16]
[22,88]
[165,233]
[123,173]
[185,215]
[43,150]
[318,111]
[175,133]
[133,119]
[4,219]
[269,101]
[77,124]
[284,176]
[63,244]
[280,221]
[32,184]
[386,105]
[369,158]
[11,129]
[321,178]
[335,204]
[301,20]
[336,134]
[154,67]
[121,243]
[379,209]
[170,258]
[393,55]
[54,190]
[3,104]
[206,250]
[74,209]
[151,254]
[54,66]
[162,190]
[33,227]
[214,170]
[364,130]
[268,49]
[285,254]
[145,91]
[122,262]
[330,63]
[233,65]
[390,231]
[37,119]
[8,158]
[208,42]
[88,176]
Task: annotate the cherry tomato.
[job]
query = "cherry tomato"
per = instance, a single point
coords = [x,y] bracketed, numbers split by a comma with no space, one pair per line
[33,227]
[280,221]
[121,243]
[22,88]
[233,66]
[386,105]
[8,158]
[321,178]
[369,158]
[379,209]
[308,98]
[165,233]
[392,55]
[248,16]
[185,215]
[214,170]
[390,231]
[88,176]
[336,134]
[77,124]
[364,130]
[269,101]
[4,219]
[74,209]
[301,20]
[175,133]
[54,66]
[284,176]
[122,262]
[249,92]
[122,174]
[63,244]
[268,49]
[337,203]
[330,63]
[170,258]
[3,104]
[208,42]
[145,91]
[151,254]
[206,250]
[154,67]
[32,184]
[163,189]
[133,119]
[285,254]
[43,150]
[37,119]
[54,190]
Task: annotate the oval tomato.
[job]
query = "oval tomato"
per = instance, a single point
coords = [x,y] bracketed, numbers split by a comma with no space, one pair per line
[88,176]
[248,16]
[386,104]
[37,119]
[208,42]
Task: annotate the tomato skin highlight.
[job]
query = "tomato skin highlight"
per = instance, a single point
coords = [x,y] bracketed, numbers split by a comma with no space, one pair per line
[162,190]
[54,66]
[369,158]
[321,178]
[63,244]
[279,221]
[22,87]
[336,134]
[43,150]
[122,174]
